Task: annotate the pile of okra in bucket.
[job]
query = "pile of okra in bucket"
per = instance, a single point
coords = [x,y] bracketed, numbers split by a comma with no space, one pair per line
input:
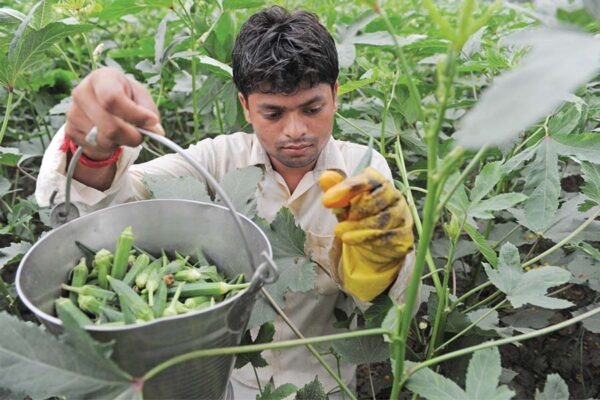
[131,286]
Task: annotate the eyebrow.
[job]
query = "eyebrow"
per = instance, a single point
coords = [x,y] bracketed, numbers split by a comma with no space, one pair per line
[315,99]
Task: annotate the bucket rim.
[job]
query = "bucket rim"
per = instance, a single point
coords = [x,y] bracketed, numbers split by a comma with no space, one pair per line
[99,328]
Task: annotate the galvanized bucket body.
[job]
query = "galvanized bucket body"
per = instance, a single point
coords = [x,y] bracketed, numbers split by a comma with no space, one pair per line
[172,225]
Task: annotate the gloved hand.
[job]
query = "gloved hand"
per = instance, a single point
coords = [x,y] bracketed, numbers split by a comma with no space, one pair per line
[375,228]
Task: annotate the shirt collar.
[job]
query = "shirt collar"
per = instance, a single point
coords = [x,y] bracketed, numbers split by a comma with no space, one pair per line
[330,157]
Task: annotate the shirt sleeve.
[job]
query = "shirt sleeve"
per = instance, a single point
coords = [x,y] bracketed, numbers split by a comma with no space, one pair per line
[52,178]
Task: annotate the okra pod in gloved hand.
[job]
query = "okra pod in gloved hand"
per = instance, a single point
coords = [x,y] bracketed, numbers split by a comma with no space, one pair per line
[131,286]
[375,229]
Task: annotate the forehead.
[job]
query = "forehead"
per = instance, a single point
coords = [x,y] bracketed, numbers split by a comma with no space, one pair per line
[320,92]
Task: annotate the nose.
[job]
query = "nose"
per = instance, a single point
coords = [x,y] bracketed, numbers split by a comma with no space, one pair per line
[295,127]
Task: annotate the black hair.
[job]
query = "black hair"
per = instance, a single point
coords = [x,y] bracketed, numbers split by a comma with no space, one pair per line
[280,52]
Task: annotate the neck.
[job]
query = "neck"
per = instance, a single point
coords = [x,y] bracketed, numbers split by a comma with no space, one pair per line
[291,176]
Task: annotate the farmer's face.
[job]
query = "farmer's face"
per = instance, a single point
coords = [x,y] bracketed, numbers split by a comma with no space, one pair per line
[293,128]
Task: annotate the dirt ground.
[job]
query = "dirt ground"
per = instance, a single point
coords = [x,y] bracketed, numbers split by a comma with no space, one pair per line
[573,353]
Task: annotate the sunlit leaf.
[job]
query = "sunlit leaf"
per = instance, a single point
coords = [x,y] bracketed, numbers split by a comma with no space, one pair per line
[362,350]
[554,389]
[13,253]
[484,208]
[559,61]
[485,181]
[584,147]
[216,67]
[169,187]
[591,176]
[542,186]
[529,287]
[35,362]
[296,270]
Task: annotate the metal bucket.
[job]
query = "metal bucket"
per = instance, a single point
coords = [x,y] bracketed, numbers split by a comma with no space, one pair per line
[173,225]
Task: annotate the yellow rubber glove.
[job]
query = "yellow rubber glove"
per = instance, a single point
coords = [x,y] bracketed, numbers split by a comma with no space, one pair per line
[375,228]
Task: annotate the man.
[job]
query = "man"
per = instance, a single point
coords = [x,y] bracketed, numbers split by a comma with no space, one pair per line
[285,68]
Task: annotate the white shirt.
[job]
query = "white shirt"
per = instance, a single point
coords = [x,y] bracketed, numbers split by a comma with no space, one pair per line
[312,312]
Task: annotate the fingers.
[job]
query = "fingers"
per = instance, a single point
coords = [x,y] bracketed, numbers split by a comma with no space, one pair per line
[340,195]
[116,105]
[392,217]
[371,203]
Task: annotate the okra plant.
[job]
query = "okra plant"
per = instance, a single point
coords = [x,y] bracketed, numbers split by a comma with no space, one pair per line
[487,113]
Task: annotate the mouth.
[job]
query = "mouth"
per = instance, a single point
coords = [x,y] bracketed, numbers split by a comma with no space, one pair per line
[297,149]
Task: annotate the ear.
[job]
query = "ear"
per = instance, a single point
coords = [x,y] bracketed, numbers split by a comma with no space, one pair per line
[335,98]
[245,107]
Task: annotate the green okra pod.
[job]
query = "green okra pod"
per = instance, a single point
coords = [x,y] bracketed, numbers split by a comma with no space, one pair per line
[172,267]
[89,304]
[140,263]
[78,277]
[90,290]
[102,263]
[66,306]
[160,299]
[198,302]
[124,244]
[130,300]
[111,314]
[172,308]
[209,288]
[152,284]
[188,275]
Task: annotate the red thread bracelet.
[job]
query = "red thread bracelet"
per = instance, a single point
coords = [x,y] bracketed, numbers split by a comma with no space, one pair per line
[88,162]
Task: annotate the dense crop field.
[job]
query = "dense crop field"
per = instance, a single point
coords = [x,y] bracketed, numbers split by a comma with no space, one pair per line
[488,115]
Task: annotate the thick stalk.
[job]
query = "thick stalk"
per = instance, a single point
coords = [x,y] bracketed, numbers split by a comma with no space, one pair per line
[221,351]
[500,342]
[194,92]
[6,114]
[429,213]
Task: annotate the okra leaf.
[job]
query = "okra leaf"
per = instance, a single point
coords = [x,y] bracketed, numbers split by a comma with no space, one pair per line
[585,270]
[555,388]
[584,146]
[241,185]
[483,209]
[485,181]
[279,393]
[591,176]
[265,335]
[296,270]
[542,186]
[362,350]
[483,376]
[13,253]
[592,323]
[529,287]
[559,61]
[35,362]
[482,244]
[168,187]
[312,391]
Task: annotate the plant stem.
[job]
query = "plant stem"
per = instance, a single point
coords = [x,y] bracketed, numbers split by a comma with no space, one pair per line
[468,328]
[6,114]
[500,342]
[259,347]
[385,114]
[565,240]
[397,348]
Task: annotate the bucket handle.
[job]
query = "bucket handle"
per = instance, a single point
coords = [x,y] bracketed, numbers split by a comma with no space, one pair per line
[266,273]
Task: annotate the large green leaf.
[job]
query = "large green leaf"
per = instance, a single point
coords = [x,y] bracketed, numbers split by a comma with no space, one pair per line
[279,393]
[542,186]
[264,335]
[566,120]
[559,61]
[312,391]
[484,208]
[584,147]
[35,362]
[526,287]
[296,270]
[585,270]
[554,389]
[13,253]
[482,244]
[592,323]
[591,176]
[485,181]
[362,350]
[241,186]
[483,377]
[215,66]
[169,187]
[29,52]
[43,14]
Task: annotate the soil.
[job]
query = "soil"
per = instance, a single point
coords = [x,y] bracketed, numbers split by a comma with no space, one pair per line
[573,353]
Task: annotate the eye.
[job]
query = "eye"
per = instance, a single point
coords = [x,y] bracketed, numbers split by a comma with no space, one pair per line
[313,110]
[272,115]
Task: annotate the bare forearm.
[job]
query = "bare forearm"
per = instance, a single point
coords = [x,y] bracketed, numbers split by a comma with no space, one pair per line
[98,178]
